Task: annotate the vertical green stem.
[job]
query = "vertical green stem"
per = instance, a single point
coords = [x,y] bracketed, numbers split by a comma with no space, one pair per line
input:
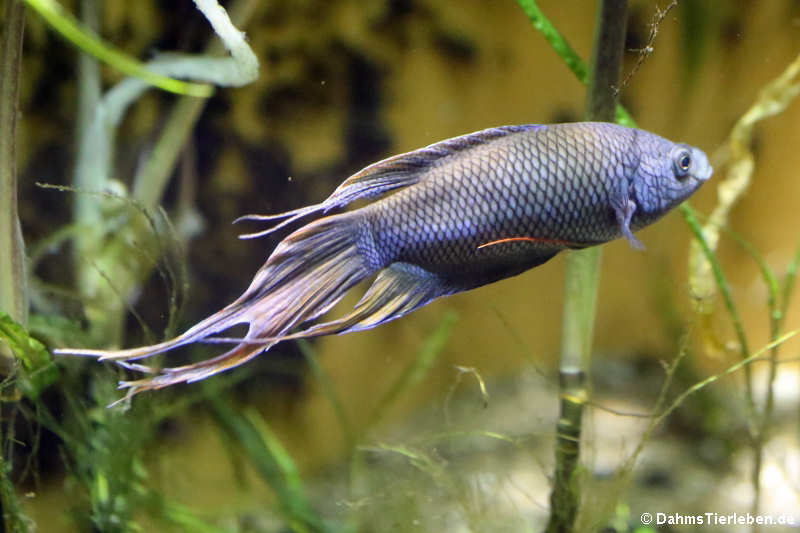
[609,44]
[13,282]
[778,305]
[13,293]
[13,286]
[90,171]
[88,71]
[87,213]
[582,275]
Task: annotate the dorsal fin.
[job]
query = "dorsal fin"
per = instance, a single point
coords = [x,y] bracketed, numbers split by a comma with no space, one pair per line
[389,174]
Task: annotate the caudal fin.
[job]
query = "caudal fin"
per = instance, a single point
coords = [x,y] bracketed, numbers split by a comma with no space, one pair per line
[306,275]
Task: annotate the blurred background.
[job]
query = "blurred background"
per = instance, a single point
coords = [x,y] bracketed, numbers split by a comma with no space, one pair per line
[389,429]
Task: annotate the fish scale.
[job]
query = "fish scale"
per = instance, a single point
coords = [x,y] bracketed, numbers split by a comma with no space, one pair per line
[505,201]
[443,219]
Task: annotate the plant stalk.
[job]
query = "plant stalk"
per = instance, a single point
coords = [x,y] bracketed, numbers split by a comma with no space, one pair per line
[13,280]
[13,293]
[582,274]
[107,301]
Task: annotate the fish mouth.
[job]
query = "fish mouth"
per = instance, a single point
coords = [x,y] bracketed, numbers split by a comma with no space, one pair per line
[705,169]
[704,175]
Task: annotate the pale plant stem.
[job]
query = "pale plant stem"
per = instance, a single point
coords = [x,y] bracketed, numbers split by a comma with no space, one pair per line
[13,279]
[13,283]
[13,293]
[704,274]
[582,275]
[110,248]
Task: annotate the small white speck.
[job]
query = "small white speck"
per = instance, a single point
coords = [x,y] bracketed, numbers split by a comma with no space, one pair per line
[289,178]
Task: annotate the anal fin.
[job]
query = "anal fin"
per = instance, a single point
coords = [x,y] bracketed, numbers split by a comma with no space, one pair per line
[398,290]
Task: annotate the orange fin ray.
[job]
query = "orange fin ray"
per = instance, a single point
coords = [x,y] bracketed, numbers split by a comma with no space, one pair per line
[537,240]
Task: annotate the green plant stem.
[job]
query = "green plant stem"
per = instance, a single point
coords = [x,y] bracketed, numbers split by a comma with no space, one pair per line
[151,181]
[13,283]
[609,42]
[777,314]
[13,294]
[13,280]
[582,276]
[90,89]
[775,307]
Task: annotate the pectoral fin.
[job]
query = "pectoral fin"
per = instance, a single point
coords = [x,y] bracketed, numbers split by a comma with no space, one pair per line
[624,214]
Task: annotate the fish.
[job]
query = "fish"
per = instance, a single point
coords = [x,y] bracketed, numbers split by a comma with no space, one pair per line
[440,220]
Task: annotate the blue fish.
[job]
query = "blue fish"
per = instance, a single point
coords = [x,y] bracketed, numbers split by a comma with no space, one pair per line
[443,219]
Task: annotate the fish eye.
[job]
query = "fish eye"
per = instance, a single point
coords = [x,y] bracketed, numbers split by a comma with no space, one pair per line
[683,162]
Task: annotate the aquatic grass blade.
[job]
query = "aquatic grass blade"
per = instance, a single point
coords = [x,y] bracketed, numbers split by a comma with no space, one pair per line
[273,463]
[414,372]
[562,47]
[187,520]
[328,389]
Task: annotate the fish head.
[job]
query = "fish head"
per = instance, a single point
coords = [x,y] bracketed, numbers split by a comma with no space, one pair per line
[667,174]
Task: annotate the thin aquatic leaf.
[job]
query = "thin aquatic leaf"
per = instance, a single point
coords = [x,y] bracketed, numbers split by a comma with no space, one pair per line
[788,283]
[556,40]
[414,372]
[187,520]
[562,47]
[288,468]
[722,283]
[273,463]
[744,363]
[767,273]
[328,389]
[492,435]
[422,461]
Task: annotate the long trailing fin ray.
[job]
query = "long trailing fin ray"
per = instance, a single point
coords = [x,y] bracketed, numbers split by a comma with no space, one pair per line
[307,274]
[290,216]
[387,175]
[220,321]
[322,298]
[196,372]
[397,291]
